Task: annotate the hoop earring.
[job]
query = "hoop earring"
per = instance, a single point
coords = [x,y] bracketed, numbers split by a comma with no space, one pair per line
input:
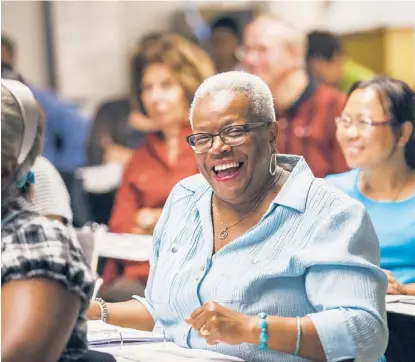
[273,166]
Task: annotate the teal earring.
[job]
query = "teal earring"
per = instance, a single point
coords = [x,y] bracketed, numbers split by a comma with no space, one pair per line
[29,178]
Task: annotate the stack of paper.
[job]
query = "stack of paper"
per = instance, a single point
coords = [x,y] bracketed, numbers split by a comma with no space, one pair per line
[101,334]
[400,298]
[164,352]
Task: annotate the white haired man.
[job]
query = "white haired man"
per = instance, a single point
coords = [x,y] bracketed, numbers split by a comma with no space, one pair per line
[305,110]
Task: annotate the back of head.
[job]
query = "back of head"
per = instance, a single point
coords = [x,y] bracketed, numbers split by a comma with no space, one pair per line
[323,45]
[22,128]
[398,101]
[236,82]
[189,63]
[227,23]
[281,29]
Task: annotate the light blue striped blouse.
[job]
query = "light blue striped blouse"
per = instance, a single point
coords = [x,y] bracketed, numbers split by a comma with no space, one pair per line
[313,253]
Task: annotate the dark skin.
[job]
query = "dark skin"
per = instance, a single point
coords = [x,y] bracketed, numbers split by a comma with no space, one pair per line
[38,316]
[130,314]
[233,200]
[35,312]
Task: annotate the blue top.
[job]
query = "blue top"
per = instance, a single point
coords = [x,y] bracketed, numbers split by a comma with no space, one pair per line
[394,222]
[66,131]
[313,253]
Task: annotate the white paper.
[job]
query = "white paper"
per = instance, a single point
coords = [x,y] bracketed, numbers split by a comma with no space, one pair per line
[165,352]
[102,178]
[397,298]
[100,334]
[148,346]
[124,246]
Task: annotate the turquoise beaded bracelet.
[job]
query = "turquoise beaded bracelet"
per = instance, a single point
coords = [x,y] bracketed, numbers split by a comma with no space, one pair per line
[263,337]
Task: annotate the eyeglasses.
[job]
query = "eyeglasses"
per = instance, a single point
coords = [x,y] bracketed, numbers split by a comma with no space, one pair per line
[363,124]
[230,136]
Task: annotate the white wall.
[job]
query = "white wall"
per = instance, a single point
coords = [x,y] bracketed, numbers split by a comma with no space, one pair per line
[304,14]
[22,21]
[94,39]
[347,16]
[342,16]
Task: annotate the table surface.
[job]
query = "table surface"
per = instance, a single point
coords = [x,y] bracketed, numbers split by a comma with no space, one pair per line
[163,352]
[124,246]
[143,352]
[395,304]
[169,351]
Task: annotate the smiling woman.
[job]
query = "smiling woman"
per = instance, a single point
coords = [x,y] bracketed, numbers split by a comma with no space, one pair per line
[376,132]
[254,260]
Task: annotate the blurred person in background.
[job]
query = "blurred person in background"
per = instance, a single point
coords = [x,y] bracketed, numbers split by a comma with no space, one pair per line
[305,110]
[377,134]
[117,129]
[45,281]
[112,136]
[168,73]
[66,131]
[66,128]
[328,63]
[225,41]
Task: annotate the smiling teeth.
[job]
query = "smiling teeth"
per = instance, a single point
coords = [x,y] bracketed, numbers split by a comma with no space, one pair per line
[226,166]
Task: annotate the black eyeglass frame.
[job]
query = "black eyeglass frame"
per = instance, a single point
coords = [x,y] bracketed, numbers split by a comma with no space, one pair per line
[248,127]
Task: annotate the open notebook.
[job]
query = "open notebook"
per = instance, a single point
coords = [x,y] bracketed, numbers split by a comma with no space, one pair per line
[103,334]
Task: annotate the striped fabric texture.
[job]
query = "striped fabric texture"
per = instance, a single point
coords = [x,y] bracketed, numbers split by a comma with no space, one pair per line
[50,195]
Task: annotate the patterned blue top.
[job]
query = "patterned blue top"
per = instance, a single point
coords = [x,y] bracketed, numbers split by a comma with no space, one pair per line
[313,253]
[394,222]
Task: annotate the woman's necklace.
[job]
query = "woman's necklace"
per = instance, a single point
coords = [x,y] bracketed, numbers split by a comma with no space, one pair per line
[398,193]
[400,189]
[224,233]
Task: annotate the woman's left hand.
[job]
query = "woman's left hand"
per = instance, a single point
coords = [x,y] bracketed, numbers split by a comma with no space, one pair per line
[217,323]
[394,287]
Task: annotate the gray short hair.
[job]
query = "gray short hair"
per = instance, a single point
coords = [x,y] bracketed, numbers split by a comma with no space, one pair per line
[261,103]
